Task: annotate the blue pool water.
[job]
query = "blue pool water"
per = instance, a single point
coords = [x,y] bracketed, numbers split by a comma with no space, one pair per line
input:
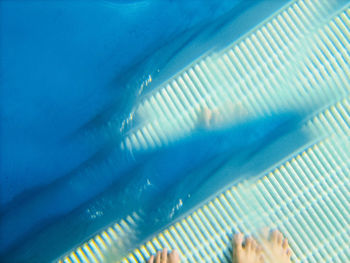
[60,67]
[68,70]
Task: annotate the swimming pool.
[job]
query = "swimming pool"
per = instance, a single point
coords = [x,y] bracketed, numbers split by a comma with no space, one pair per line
[278,156]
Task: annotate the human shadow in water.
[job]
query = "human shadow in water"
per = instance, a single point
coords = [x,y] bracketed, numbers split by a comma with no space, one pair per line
[151,183]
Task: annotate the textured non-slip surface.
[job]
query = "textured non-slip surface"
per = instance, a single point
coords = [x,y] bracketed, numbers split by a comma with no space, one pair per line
[305,195]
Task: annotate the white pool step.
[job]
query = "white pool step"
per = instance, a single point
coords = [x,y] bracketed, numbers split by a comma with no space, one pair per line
[307,195]
[261,73]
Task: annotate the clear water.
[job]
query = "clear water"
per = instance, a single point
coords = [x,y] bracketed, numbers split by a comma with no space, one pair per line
[71,73]
[63,64]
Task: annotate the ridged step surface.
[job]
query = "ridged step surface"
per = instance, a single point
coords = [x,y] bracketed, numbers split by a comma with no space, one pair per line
[264,72]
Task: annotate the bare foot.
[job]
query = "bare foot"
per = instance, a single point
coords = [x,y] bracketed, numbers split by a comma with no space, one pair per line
[275,246]
[164,257]
[215,119]
[206,118]
[250,252]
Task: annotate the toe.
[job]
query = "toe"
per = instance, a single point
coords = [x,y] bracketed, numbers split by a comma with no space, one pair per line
[237,244]
[164,257]
[151,259]
[158,257]
[174,257]
[258,250]
[274,236]
[254,245]
[248,243]
[238,240]
[279,238]
[289,252]
[285,244]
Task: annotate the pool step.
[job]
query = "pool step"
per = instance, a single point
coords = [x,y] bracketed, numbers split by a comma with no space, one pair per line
[101,247]
[306,196]
[295,61]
